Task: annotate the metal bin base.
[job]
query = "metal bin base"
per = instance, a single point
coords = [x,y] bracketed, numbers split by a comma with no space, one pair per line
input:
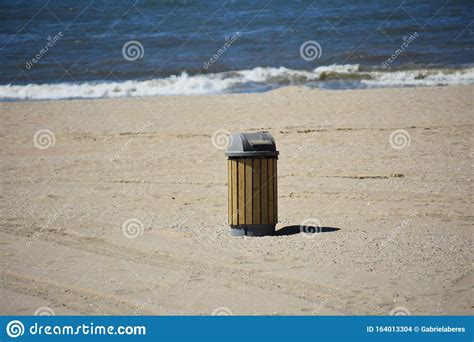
[252,230]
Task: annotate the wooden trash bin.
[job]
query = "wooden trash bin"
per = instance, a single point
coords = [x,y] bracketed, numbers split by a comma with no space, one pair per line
[252,184]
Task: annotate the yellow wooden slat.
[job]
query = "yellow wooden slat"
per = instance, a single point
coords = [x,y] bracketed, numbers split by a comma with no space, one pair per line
[241,211]
[229,191]
[264,190]
[271,199]
[256,192]
[234,191]
[275,191]
[248,191]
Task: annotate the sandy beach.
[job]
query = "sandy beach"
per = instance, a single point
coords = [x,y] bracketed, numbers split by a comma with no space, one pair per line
[397,211]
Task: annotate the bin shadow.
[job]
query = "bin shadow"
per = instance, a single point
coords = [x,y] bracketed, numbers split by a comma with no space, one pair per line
[292,230]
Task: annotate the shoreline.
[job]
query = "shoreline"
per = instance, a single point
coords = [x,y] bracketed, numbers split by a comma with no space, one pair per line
[287,88]
[256,80]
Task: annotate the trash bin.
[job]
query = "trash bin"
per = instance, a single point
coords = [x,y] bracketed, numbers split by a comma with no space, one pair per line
[252,184]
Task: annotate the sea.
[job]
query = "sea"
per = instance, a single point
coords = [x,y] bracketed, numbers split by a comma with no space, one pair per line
[106,49]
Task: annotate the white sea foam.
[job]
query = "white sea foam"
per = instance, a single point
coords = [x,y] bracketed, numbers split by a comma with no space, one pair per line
[432,77]
[185,84]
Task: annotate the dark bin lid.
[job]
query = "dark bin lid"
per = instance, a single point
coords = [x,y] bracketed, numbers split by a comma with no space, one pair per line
[252,145]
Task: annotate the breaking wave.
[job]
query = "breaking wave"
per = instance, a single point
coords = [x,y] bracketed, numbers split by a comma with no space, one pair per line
[257,79]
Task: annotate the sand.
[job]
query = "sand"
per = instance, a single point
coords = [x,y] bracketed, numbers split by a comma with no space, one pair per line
[404,215]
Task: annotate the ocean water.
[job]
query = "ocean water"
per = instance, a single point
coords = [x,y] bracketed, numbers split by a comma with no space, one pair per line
[92,49]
